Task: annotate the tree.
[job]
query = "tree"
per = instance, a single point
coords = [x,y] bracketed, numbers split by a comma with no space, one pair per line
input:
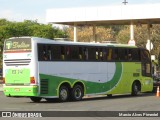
[85,34]
[123,35]
[44,31]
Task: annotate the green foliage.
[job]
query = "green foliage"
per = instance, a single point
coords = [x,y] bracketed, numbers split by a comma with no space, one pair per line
[27,28]
[123,35]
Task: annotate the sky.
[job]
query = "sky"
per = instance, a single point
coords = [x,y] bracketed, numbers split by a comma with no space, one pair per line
[19,10]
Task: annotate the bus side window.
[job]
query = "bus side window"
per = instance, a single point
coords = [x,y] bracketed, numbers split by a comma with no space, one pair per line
[122,54]
[74,53]
[62,53]
[135,55]
[92,53]
[129,56]
[56,52]
[44,53]
[105,54]
[40,52]
[86,53]
[109,56]
[101,54]
[145,55]
[80,53]
[68,53]
[49,53]
[146,63]
[115,56]
[97,54]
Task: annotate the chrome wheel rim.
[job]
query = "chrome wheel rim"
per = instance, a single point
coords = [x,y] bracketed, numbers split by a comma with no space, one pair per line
[63,94]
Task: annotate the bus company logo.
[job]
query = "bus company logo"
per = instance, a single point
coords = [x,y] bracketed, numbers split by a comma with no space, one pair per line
[8,44]
[6,114]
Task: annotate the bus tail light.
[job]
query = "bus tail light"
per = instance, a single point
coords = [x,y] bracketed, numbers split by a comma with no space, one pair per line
[3,81]
[32,80]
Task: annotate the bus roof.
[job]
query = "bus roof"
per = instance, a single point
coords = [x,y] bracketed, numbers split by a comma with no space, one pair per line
[50,41]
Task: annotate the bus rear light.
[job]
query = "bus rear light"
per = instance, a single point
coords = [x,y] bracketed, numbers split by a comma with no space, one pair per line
[32,80]
[3,81]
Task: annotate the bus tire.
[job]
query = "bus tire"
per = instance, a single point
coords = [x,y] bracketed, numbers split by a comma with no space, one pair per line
[135,89]
[77,93]
[36,99]
[63,93]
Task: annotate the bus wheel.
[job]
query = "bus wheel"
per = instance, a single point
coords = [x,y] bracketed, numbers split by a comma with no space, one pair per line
[135,88]
[63,93]
[35,99]
[77,92]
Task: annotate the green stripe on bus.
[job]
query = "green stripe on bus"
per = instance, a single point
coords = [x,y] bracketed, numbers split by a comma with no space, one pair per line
[91,87]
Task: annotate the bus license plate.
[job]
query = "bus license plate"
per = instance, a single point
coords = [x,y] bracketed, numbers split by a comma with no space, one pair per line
[17,89]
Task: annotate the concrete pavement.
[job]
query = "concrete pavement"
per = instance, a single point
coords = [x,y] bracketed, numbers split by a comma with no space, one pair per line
[1,87]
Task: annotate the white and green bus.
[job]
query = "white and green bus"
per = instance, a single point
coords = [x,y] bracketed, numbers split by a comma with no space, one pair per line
[41,68]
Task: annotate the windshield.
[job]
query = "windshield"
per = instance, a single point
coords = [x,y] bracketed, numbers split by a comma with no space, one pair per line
[18,45]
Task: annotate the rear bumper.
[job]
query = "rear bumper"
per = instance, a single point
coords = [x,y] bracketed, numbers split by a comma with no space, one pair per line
[21,91]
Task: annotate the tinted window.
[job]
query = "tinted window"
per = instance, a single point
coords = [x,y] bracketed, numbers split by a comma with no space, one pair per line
[146,63]
[123,54]
[56,52]
[91,53]
[74,53]
[44,52]
[48,52]
[134,54]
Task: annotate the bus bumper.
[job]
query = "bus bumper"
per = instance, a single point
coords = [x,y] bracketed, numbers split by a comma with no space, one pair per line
[20,91]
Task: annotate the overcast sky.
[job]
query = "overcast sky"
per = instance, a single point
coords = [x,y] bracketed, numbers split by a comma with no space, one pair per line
[18,10]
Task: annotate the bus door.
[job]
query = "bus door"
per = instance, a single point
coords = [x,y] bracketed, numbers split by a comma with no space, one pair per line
[146,63]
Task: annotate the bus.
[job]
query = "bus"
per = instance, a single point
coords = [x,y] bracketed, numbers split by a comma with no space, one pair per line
[41,68]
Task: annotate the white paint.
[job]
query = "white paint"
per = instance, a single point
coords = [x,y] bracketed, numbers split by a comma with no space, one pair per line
[75,33]
[132,42]
[131,32]
[90,71]
[103,13]
[149,45]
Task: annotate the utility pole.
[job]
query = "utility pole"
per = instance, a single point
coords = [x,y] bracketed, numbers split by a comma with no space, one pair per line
[125,2]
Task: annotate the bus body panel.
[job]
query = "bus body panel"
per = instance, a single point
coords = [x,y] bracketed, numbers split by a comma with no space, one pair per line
[114,78]
[107,77]
[19,68]
[16,68]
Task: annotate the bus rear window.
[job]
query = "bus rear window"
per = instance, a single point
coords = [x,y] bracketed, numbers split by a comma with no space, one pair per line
[18,45]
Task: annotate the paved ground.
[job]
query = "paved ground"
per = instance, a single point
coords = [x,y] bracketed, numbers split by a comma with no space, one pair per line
[1,87]
[143,102]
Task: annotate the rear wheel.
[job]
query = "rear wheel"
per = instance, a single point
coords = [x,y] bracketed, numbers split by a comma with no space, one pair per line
[77,92]
[35,99]
[135,88]
[63,93]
